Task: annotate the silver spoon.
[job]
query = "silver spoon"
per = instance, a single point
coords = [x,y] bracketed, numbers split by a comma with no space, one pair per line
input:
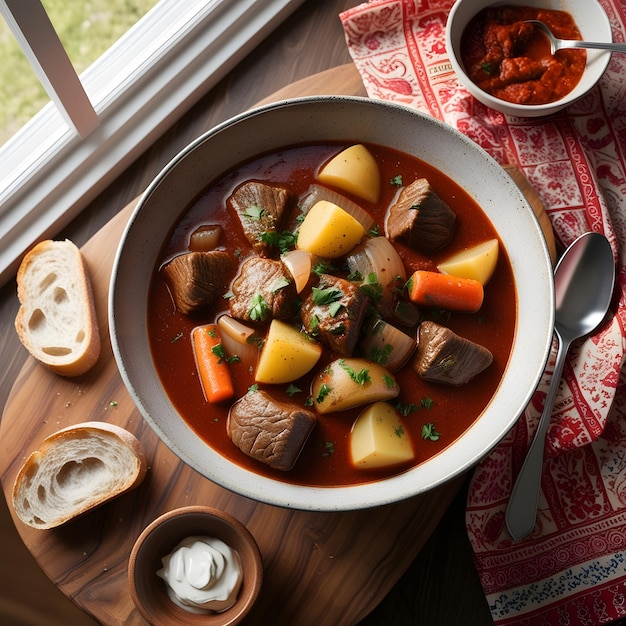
[583,282]
[558,44]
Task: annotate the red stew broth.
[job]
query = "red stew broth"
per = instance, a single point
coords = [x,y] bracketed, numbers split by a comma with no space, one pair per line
[325,459]
[559,73]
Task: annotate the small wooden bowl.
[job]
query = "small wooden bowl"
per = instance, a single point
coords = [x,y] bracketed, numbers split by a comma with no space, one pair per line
[159,539]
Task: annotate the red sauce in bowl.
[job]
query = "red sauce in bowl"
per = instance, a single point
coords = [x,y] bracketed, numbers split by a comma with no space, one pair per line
[511,60]
[325,459]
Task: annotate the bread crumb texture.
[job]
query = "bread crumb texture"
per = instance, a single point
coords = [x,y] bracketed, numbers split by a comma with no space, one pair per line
[77,469]
[56,321]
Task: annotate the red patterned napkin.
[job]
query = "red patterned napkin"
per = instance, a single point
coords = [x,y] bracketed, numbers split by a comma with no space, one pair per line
[572,568]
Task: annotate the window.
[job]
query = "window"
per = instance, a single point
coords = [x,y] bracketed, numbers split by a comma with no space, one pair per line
[79,142]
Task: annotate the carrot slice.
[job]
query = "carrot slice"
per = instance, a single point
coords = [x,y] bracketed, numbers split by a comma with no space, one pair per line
[445,291]
[211,363]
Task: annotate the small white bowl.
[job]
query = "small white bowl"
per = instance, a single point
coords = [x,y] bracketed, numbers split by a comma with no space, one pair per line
[592,22]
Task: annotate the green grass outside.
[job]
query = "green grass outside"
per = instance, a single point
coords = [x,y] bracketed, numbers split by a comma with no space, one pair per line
[86,28]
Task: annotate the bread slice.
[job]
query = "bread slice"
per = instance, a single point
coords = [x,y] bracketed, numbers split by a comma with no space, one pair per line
[75,470]
[56,321]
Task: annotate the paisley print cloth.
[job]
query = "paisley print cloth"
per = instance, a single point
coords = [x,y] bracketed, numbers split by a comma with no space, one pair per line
[572,568]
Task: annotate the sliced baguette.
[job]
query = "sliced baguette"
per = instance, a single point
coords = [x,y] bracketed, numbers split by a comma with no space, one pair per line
[75,470]
[56,321]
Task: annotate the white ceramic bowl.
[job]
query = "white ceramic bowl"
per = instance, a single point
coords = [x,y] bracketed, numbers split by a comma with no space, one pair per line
[346,119]
[592,22]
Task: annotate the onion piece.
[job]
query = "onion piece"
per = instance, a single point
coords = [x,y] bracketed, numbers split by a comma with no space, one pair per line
[239,340]
[298,262]
[319,192]
[387,345]
[205,238]
[381,269]
[377,255]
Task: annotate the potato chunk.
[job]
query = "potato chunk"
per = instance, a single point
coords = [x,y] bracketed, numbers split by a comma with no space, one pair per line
[478,262]
[328,231]
[350,382]
[353,170]
[379,438]
[287,354]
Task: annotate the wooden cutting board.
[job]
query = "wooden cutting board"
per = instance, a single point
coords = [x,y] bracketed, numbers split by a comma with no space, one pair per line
[320,568]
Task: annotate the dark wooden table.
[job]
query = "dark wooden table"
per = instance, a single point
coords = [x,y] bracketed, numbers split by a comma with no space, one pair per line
[441,586]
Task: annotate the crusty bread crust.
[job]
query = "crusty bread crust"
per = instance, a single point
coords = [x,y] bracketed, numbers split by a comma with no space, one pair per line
[56,321]
[75,470]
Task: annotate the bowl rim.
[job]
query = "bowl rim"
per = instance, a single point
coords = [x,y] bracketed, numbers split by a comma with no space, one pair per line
[365,495]
[600,59]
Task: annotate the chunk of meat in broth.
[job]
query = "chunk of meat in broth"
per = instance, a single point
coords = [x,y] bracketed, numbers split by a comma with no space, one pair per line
[260,208]
[445,357]
[263,290]
[420,218]
[269,430]
[333,313]
[197,280]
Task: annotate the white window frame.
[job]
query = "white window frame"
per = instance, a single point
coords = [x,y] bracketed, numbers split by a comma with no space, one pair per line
[96,126]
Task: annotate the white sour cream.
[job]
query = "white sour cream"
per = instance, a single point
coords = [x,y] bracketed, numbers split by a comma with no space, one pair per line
[203,575]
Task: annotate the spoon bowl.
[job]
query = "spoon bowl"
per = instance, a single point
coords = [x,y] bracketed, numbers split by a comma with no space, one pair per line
[583,280]
[560,44]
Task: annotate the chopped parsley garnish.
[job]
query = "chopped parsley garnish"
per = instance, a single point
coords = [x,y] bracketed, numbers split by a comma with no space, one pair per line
[405,409]
[429,432]
[389,381]
[254,212]
[259,309]
[314,324]
[427,403]
[292,390]
[409,407]
[399,432]
[334,307]
[329,448]
[220,353]
[487,67]
[374,231]
[396,180]
[361,378]
[253,388]
[326,295]
[371,287]
[177,337]
[355,276]
[381,355]
[323,268]
[323,392]
[283,240]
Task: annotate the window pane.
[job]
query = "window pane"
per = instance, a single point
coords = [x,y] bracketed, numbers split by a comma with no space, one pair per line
[89,27]
[86,29]
[21,93]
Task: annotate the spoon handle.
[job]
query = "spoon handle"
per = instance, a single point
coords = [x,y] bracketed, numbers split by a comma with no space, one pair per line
[521,511]
[615,47]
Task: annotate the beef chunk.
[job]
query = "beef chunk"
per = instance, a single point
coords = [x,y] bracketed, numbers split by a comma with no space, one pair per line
[197,280]
[444,357]
[260,208]
[263,290]
[268,430]
[420,219]
[334,312]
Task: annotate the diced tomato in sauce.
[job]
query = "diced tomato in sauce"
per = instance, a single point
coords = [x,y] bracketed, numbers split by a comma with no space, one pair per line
[511,60]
